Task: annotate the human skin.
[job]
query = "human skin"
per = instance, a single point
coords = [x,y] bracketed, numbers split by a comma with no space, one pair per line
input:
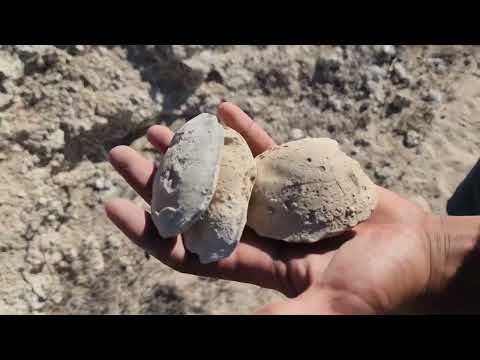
[401,257]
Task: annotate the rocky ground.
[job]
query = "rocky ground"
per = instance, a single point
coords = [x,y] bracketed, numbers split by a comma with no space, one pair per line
[409,114]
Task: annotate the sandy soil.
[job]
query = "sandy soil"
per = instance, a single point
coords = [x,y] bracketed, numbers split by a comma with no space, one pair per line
[408,114]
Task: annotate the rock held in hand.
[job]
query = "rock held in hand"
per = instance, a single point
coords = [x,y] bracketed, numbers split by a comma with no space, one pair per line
[307,190]
[185,182]
[216,235]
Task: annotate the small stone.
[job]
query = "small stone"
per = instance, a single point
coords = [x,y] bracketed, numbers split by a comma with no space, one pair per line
[384,53]
[383,175]
[35,159]
[296,134]
[62,265]
[398,103]
[16,148]
[57,140]
[389,50]
[102,50]
[99,184]
[401,101]
[10,68]
[326,67]
[44,243]
[42,201]
[335,104]
[5,101]
[57,298]
[400,72]
[56,257]
[70,255]
[412,139]
[434,96]
[376,72]
[51,217]
[37,303]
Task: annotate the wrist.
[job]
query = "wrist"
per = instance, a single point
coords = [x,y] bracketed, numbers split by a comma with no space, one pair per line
[451,241]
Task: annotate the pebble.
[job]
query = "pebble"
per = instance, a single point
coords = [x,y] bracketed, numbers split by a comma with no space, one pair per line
[100,184]
[5,101]
[70,255]
[44,244]
[400,72]
[389,50]
[412,139]
[336,104]
[376,72]
[401,101]
[296,134]
[16,148]
[434,96]
[57,298]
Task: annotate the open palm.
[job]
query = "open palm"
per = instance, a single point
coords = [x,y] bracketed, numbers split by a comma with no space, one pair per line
[379,265]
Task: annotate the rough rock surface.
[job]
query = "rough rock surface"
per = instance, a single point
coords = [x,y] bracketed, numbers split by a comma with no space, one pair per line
[63,107]
[186,179]
[307,190]
[216,235]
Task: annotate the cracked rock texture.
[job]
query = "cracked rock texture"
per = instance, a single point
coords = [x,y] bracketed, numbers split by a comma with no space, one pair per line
[408,114]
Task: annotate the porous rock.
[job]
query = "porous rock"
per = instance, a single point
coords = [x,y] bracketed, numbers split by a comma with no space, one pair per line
[185,182]
[307,190]
[216,235]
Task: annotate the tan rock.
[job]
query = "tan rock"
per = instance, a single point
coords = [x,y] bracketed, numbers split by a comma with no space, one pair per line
[216,235]
[307,190]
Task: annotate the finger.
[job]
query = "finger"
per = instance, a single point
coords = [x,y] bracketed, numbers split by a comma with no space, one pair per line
[160,137]
[256,260]
[135,169]
[251,262]
[137,225]
[255,136]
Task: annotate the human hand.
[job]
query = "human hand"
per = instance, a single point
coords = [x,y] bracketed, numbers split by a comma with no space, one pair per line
[396,256]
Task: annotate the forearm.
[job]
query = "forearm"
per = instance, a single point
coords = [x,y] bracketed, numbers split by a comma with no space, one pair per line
[454,244]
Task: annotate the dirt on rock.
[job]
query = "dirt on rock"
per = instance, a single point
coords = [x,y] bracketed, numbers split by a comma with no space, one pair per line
[410,115]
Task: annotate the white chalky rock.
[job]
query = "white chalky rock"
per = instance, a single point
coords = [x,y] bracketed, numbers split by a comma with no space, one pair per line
[216,235]
[185,182]
[307,190]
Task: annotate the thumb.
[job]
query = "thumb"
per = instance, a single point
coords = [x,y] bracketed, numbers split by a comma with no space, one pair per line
[311,302]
